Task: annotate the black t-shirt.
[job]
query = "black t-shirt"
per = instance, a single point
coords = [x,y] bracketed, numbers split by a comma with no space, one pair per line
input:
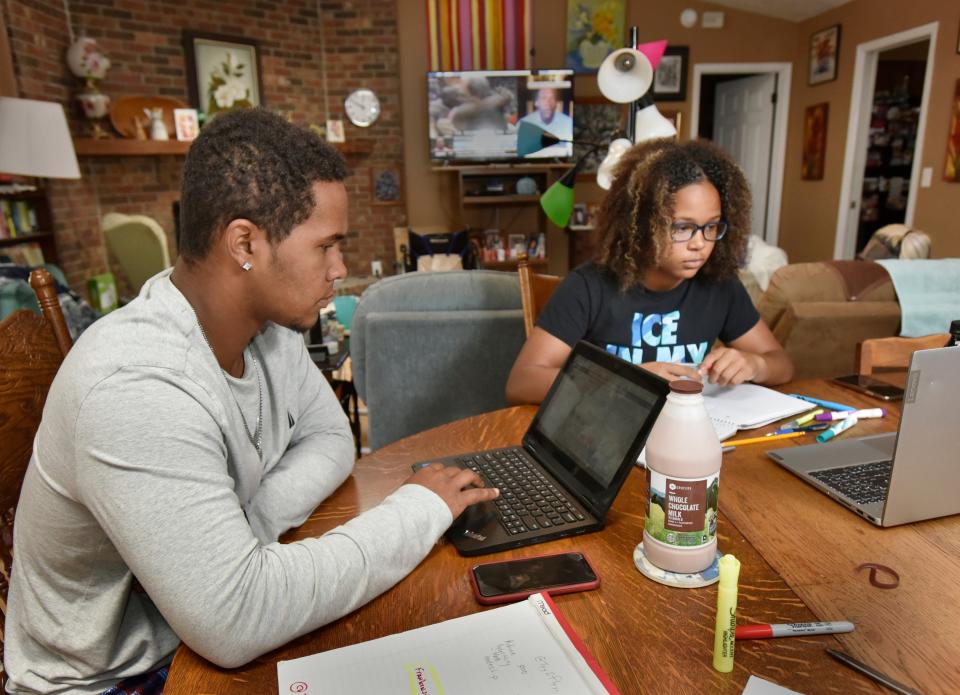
[679,325]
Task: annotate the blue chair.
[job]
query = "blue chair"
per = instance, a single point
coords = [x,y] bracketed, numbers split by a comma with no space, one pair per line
[431,348]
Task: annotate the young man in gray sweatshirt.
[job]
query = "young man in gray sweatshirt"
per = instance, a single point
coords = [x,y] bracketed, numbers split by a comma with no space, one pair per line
[186,431]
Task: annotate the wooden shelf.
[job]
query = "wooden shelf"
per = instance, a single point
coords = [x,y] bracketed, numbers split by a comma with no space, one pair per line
[125,147]
[500,199]
[511,264]
[118,147]
[26,239]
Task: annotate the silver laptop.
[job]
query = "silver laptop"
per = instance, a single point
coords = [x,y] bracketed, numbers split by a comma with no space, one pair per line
[899,477]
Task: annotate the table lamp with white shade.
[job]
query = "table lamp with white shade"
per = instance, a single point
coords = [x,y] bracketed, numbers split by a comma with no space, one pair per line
[35,140]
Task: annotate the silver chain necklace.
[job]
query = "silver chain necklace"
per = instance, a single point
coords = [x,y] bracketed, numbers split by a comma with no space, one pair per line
[256,438]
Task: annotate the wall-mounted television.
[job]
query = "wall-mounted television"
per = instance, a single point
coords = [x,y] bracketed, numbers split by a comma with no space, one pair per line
[474,114]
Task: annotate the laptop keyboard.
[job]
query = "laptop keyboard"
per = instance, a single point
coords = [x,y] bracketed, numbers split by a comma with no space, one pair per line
[528,501]
[863,484]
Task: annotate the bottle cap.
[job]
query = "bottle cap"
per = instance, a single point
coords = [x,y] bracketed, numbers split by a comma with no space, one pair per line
[686,386]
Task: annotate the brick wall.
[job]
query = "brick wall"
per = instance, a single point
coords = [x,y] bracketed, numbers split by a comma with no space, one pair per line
[143,41]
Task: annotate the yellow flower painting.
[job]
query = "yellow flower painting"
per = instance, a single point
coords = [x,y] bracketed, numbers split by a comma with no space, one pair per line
[594,30]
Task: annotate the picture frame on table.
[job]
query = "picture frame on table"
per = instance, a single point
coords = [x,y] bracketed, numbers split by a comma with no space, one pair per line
[579,218]
[516,244]
[824,55]
[223,72]
[670,77]
[386,185]
[596,120]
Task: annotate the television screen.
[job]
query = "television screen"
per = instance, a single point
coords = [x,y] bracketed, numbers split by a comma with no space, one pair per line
[474,115]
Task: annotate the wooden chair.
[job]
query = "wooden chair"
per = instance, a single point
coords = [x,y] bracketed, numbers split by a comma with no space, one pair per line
[894,353]
[31,350]
[535,290]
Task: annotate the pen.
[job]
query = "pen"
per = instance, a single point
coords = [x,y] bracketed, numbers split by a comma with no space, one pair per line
[792,629]
[841,426]
[804,419]
[825,404]
[759,440]
[862,414]
[806,428]
[727,449]
[869,672]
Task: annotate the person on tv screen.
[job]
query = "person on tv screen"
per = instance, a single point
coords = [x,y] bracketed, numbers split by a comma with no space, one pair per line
[549,115]
[664,287]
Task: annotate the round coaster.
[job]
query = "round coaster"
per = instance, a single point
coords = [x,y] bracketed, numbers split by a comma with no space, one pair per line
[709,576]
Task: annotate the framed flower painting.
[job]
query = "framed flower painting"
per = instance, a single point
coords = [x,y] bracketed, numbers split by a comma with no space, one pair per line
[594,31]
[223,72]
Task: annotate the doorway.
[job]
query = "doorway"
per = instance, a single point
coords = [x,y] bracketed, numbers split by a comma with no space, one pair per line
[743,108]
[888,108]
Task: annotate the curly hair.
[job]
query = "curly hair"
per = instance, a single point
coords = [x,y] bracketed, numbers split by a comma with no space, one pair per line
[634,219]
[251,164]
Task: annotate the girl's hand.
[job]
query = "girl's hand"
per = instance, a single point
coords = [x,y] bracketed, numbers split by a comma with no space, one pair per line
[672,370]
[728,366]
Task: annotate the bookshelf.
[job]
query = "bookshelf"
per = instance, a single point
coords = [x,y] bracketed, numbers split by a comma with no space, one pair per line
[26,219]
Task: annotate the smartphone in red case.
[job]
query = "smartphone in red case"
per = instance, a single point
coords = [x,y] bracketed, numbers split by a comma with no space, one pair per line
[511,580]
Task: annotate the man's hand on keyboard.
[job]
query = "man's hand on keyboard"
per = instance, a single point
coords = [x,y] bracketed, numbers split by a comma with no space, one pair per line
[458,487]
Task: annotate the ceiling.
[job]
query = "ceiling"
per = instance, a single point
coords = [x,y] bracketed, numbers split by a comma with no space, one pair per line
[793,10]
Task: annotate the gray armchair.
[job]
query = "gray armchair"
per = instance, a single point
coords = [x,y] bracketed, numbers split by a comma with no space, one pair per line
[431,348]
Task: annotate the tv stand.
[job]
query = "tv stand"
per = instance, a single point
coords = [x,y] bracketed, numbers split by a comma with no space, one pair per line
[508,214]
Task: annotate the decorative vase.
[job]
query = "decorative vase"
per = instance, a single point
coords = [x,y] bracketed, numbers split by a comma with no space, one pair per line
[95,105]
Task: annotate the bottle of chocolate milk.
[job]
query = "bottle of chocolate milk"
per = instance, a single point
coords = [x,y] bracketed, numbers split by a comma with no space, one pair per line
[683,483]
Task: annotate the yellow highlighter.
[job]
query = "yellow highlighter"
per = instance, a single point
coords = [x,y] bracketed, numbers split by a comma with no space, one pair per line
[726,626]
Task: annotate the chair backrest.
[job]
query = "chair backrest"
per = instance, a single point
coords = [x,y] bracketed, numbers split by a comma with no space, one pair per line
[893,353]
[29,359]
[44,287]
[139,245]
[431,348]
[535,290]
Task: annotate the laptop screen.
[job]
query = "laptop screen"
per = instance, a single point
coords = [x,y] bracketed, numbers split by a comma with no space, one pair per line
[594,422]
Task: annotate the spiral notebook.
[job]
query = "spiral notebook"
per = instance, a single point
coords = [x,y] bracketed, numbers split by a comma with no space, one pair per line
[744,407]
[527,647]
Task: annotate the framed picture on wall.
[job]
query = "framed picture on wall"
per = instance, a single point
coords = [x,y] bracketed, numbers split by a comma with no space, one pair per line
[594,31]
[670,77]
[814,141]
[223,72]
[951,168]
[385,185]
[824,51]
[596,120]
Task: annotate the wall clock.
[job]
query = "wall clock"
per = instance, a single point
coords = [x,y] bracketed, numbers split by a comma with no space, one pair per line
[363,107]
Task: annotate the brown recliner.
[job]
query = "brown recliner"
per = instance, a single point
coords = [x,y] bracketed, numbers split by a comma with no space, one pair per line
[820,312]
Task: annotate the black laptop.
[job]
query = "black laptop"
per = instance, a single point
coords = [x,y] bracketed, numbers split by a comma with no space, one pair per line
[575,456]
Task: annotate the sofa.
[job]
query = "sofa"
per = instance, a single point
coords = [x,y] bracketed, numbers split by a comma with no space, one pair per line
[431,348]
[820,312]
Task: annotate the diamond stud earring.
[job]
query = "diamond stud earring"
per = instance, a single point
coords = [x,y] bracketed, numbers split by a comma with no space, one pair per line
[247,266]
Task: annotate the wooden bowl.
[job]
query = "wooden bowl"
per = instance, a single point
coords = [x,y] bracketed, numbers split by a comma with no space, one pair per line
[126,109]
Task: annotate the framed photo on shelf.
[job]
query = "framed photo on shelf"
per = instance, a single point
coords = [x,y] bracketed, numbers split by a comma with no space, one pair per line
[188,126]
[579,220]
[596,120]
[516,244]
[223,72]
[824,52]
[670,77]
[385,185]
[814,141]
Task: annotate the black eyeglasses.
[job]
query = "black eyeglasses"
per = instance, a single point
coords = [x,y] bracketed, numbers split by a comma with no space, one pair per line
[684,231]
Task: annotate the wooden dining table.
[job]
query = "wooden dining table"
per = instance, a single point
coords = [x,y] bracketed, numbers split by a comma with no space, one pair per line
[799,552]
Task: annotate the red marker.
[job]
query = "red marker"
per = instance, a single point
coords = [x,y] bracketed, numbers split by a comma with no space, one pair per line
[792,630]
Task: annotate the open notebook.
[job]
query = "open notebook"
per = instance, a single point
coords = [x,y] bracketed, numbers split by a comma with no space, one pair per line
[745,407]
[526,647]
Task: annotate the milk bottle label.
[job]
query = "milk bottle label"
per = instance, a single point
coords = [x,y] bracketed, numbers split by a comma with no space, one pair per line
[682,512]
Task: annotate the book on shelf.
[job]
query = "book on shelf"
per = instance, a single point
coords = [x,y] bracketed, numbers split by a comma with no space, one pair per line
[526,647]
[29,254]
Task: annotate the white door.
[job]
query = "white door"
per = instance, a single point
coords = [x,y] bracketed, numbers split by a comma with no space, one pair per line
[743,126]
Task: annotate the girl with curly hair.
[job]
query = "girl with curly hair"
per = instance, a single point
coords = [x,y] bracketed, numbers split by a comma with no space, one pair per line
[663,288]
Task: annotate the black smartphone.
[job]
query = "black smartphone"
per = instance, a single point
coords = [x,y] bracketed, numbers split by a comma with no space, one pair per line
[512,580]
[870,386]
